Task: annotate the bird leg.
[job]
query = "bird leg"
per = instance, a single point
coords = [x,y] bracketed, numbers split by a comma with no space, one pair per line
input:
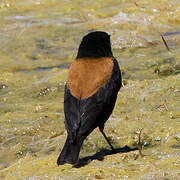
[101,130]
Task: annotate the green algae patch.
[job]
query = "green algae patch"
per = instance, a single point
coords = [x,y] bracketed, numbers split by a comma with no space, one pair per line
[36,143]
[113,166]
[39,40]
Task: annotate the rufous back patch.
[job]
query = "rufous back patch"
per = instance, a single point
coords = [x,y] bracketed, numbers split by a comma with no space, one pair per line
[87,75]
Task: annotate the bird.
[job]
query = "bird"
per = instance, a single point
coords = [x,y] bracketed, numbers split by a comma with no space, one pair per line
[93,82]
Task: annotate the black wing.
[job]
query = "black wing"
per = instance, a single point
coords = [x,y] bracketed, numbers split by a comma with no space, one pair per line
[83,116]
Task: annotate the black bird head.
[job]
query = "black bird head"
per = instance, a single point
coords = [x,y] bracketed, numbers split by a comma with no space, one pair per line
[95,45]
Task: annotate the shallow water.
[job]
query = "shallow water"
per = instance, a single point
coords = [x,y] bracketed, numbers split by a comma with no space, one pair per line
[38,41]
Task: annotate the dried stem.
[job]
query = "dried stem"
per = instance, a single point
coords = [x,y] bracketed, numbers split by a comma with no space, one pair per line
[136,4]
[140,143]
[165,43]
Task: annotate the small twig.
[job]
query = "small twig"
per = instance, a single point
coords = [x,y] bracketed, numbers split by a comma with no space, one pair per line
[165,43]
[139,143]
[162,106]
[136,4]
[165,104]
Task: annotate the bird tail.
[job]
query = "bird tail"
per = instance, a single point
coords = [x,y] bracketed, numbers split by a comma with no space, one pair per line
[70,152]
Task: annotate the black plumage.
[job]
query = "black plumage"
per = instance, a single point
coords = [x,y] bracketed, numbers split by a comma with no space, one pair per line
[85,113]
